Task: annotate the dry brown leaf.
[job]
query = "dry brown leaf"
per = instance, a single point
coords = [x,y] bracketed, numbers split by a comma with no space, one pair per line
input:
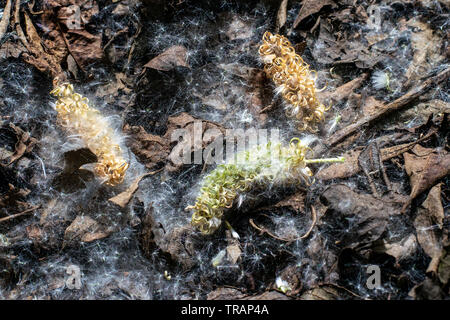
[369,215]
[426,45]
[296,202]
[424,167]
[173,57]
[84,229]
[123,198]
[281,15]
[341,170]
[399,250]
[428,224]
[225,294]
[84,47]
[310,7]
[24,144]
[351,167]
[151,150]
[233,253]
[5,18]
[342,92]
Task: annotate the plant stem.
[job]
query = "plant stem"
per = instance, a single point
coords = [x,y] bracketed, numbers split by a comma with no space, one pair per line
[325,160]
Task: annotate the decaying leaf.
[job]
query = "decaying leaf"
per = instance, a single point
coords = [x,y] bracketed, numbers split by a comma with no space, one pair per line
[281,15]
[400,250]
[427,46]
[123,198]
[24,144]
[84,229]
[428,224]
[351,166]
[310,7]
[368,215]
[321,293]
[14,199]
[424,167]
[175,56]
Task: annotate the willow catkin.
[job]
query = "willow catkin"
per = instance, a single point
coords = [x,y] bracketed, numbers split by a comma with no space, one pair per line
[294,80]
[77,117]
[262,166]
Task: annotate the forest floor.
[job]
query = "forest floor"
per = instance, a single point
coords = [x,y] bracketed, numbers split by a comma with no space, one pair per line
[375,226]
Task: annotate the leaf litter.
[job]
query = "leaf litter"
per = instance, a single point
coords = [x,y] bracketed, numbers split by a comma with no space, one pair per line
[158,68]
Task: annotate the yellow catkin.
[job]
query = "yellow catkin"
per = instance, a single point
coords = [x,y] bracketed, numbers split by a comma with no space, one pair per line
[77,117]
[294,80]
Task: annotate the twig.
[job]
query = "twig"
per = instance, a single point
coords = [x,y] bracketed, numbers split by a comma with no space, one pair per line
[20,214]
[114,37]
[314,217]
[19,29]
[383,169]
[5,19]
[384,110]
[264,230]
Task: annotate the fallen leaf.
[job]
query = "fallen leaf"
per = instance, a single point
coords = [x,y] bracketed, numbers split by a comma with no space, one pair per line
[84,47]
[424,167]
[24,144]
[84,229]
[400,250]
[151,150]
[342,92]
[428,224]
[426,45]
[233,253]
[281,15]
[321,293]
[366,216]
[351,167]
[310,7]
[173,57]
[269,295]
[123,198]
[296,202]
[444,266]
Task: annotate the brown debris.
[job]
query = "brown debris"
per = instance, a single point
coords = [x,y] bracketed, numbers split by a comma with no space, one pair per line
[386,109]
[429,224]
[310,7]
[351,166]
[5,18]
[123,198]
[173,57]
[25,143]
[371,214]
[424,167]
[84,229]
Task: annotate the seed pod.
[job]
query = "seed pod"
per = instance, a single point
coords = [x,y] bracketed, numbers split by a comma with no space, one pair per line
[77,117]
[262,166]
[293,79]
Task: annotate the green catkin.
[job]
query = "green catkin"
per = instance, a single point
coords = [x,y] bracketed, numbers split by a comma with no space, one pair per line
[263,165]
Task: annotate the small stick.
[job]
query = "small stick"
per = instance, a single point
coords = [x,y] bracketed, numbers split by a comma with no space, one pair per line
[20,214]
[383,169]
[390,107]
[264,230]
[325,160]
